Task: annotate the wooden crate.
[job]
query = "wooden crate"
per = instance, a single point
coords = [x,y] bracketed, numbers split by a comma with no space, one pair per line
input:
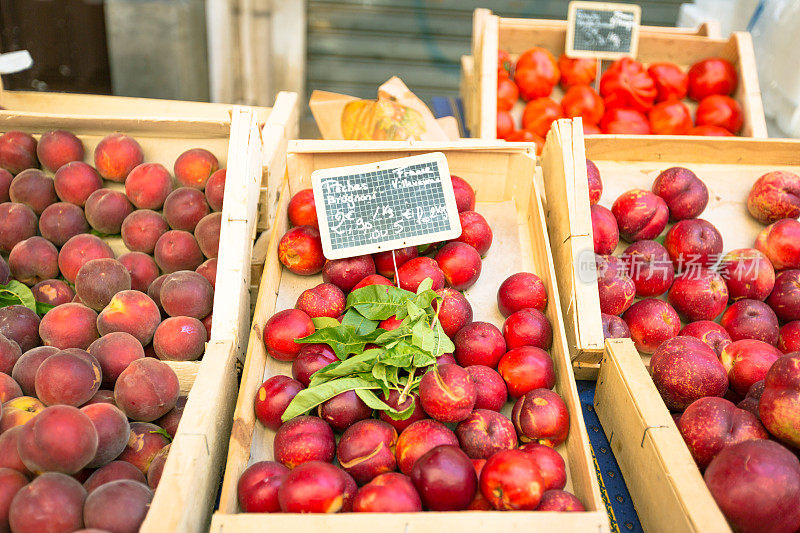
[677,45]
[189,484]
[665,484]
[501,174]
[728,166]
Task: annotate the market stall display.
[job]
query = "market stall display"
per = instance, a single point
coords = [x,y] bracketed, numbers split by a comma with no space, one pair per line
[707,302]
[98,342]
[513,211]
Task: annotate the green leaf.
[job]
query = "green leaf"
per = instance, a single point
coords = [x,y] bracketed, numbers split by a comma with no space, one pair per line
[393,377]
[311,397]
[424,299]
[422,359]
[16,293]
[443,343]
[42,308]
[343,340]
[101,235]
[362,325]
[378,302]
[425,285]
[405,355]
[380,373]
[432,340]
[162,431]
[398,356]
[354,365]
[415,312]
[373,402]
[321,322]
[423,336]
[388,337]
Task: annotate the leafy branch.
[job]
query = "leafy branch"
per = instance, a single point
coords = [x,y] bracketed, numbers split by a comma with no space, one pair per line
[395,358]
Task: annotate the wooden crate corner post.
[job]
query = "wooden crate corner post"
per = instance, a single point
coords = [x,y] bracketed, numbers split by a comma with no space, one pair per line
[749,91]
[484,52]
[185,498]
[569,225]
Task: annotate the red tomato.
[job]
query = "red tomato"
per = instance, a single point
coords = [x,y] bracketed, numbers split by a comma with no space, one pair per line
[671,82]
[504,64]
[719,110]
[505,124]
[582,101]
[539,114]
[536,73]
[670,118]
[527,136]
[591,129]
[711,76]
[576,71]
[625,121]
[507,94]
[627,85]
[714,131]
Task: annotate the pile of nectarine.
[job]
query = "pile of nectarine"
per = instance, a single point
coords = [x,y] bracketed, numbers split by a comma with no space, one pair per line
[452,449]
[731,373]
[87,405]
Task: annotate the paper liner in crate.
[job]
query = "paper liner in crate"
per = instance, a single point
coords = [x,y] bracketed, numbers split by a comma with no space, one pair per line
[397,115]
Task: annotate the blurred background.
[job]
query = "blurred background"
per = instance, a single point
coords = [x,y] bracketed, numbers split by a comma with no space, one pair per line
[182,49]
[245,51]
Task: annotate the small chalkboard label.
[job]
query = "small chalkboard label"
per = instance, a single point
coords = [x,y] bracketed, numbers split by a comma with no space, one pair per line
[385,206]
[602,30]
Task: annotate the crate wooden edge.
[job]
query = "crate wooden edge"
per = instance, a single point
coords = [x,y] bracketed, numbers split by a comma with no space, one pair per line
[567,194]
[244,417]
[666,486]
[485,43]
[40,102]
[192,477]
[564,365]
[281,126]
[755,124]
[464,521]
[255,360]
[466,90]
[185,496]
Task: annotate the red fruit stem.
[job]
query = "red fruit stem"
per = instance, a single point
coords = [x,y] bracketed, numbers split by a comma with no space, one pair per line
[407,388]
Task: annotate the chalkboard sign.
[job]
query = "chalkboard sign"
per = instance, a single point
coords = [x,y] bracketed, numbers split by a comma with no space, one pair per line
[602,30]
[385,206]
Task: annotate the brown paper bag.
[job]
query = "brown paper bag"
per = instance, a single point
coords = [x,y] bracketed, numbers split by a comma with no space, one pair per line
[397,114]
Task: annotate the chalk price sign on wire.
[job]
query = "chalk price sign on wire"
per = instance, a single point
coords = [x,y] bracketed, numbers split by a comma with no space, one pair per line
[383,206]
[602,30]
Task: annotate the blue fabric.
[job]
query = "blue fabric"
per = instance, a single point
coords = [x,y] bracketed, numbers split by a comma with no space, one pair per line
[445,106]
[618,502]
